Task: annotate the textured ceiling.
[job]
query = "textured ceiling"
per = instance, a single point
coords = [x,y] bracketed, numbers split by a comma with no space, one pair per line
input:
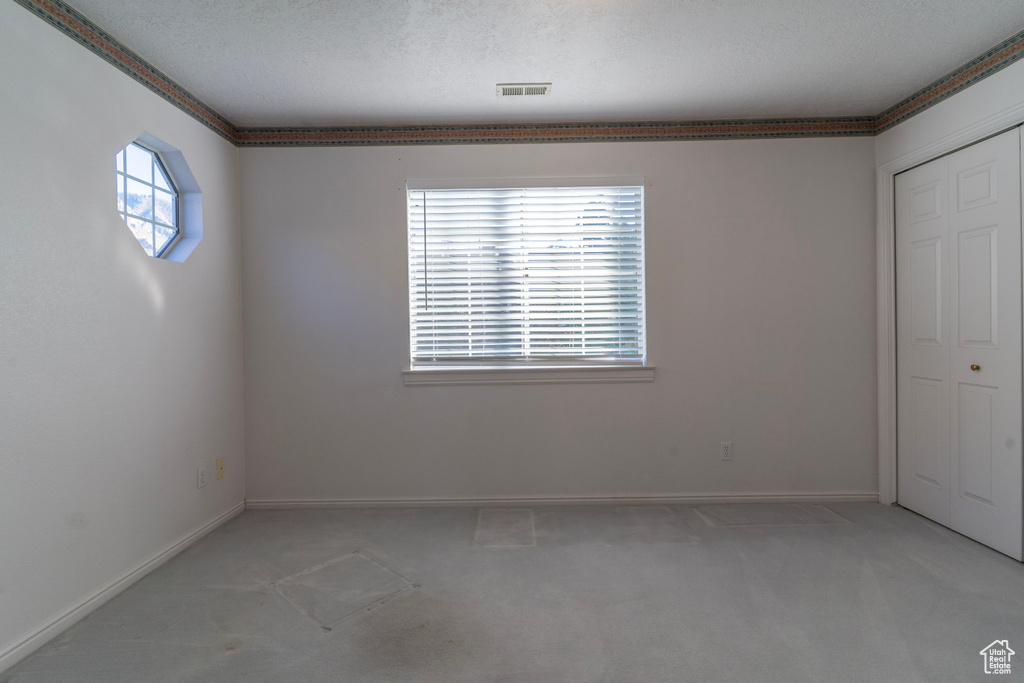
[394,62]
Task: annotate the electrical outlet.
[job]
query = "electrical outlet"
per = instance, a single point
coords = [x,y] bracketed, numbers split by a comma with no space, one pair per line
[220,468]
[726,452]
[202,477]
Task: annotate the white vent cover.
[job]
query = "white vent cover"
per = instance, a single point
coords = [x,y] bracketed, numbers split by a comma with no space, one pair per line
[523,89]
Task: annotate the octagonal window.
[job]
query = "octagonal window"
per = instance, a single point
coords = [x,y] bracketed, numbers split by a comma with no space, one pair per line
[159,198]
[147,198]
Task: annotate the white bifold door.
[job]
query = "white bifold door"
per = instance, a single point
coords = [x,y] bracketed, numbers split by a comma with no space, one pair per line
[958,331]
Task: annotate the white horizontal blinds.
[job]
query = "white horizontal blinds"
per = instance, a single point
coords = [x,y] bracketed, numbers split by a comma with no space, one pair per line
[526,274]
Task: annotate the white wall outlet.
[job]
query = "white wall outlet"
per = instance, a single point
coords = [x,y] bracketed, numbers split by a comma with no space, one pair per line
[201,477]
[725,453]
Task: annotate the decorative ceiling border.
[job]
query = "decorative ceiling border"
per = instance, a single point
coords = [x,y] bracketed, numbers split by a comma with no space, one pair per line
[79,28]
[999,57]
[556,132]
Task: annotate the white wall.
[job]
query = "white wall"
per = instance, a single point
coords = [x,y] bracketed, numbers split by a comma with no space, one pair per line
[761,323]
[119,374]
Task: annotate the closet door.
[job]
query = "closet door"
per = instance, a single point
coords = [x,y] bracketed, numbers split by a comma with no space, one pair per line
[922,340]
[958,232]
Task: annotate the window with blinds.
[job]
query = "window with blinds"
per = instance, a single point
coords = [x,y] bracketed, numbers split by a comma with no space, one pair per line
[527,275]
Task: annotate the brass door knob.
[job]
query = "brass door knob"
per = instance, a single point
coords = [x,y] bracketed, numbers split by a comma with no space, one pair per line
[975,368]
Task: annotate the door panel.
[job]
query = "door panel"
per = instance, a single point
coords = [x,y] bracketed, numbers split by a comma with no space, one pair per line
[926,292]
[929,407]
[922,231]
[976,275]
[959,341]
[986,418]
[977,414]
[976,187]
[926,198]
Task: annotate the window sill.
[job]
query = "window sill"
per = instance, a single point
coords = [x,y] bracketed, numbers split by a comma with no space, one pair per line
[603,374]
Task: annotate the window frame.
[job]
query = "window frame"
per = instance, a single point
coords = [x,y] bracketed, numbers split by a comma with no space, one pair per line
[159,166]
[579,369]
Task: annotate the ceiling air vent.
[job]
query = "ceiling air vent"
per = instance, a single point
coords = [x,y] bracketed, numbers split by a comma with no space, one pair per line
[523,89]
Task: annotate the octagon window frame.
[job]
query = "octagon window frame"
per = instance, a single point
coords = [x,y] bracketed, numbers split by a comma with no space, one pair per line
[157,171]
[189,205]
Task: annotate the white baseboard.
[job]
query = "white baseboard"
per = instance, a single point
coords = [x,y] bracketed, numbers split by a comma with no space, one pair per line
[18,650]
[512,501]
